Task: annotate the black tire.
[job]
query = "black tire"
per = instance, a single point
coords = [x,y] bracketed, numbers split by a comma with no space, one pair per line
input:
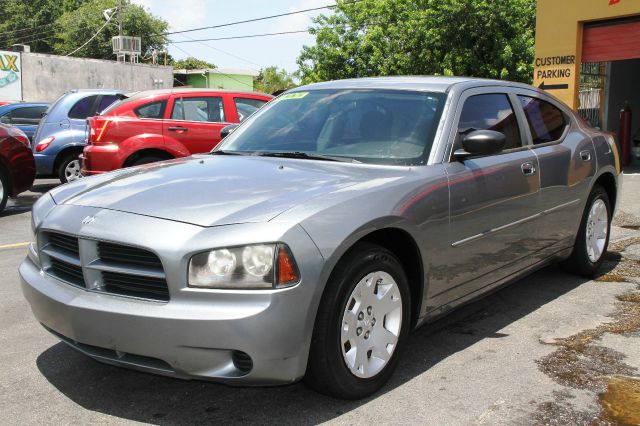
[146,160]
[327,371]
[66,160]
[579,261]
[4,185]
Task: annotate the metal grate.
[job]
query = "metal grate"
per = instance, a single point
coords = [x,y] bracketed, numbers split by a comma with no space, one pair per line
[135,285]
[64,242]
[592,82]
[117,269]
[130,255]
[66,272]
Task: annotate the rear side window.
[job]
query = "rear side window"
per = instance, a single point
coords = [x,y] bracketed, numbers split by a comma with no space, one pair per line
[151,110]
[83,108]
[247,106]
[546,121]
[490,112]
[209,109]
[27,115]
[106,101]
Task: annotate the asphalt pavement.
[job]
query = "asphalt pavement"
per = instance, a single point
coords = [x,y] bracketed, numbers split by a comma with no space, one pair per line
[550,349]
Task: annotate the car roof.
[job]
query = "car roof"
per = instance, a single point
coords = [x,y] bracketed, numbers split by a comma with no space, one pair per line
[10,107]
[414,83]
[178,90]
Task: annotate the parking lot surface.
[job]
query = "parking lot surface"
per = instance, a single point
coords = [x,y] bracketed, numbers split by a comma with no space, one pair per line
[550,349]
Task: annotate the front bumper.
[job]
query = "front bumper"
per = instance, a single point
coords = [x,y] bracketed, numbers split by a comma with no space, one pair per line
[235,337]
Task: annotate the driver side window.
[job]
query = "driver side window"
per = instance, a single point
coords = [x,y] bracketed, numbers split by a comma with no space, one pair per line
[489,112]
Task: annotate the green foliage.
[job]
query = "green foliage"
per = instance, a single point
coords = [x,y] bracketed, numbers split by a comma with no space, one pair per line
[191,63]
[59,27]
[479,38]
[29,22]
[79,25]
[272,79]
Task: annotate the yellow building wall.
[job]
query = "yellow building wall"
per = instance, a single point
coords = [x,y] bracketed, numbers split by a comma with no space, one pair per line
[559,40]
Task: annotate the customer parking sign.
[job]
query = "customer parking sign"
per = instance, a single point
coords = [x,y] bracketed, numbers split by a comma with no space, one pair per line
[10,73]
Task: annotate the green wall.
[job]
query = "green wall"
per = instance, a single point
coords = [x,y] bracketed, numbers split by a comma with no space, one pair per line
[220,81]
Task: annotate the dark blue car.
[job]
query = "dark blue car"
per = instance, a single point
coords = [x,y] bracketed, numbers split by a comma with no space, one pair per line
[23,115]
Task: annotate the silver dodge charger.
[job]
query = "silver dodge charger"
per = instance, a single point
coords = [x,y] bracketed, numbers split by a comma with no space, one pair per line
[322,231]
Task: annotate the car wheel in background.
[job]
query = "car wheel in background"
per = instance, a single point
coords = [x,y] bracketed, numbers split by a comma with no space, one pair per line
[362,324]
[4,189]
[593,236]
[69,169]
[146,160]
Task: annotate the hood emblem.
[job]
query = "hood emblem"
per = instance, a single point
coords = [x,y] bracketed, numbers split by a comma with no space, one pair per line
[87,220]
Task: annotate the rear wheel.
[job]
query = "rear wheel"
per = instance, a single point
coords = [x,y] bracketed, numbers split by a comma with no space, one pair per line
[361,326]
[146,160]
[4,189]
[593,236]
[69,169]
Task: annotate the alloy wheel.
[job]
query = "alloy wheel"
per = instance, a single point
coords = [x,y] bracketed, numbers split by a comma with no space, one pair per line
[596,230]
[72,171]
[371,324]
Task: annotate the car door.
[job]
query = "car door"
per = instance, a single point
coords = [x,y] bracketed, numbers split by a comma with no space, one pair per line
[195,121]
[494,200]
[567,163]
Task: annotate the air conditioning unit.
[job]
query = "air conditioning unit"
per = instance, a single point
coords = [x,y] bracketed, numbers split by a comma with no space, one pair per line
[126,45]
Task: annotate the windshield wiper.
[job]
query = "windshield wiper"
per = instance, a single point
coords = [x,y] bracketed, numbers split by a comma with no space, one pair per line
[305,156]
[223,152]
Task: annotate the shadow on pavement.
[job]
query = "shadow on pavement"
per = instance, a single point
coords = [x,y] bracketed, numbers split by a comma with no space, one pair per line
[148,398]
[23,202]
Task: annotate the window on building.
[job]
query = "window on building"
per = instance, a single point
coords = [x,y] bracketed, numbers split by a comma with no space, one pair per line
[208,109]
[546,121]
[83,108]
[490,112]
[247,106]
[151,110]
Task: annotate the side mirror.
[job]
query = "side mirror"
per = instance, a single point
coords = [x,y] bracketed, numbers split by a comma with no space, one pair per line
[226,131]
[479,143]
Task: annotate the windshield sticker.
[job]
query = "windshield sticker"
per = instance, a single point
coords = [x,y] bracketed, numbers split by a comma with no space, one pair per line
[296,95]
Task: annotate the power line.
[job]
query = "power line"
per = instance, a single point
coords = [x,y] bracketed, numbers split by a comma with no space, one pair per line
[239,37]
[92,37]
[246,21]
[222,51]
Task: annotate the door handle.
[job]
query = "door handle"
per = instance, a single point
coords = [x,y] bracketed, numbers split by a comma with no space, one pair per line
[528,168]
[585,155]
[178,129]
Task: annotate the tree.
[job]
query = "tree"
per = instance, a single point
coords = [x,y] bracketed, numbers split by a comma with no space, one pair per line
[33,22]
[191,63]
[272,79]
[79,25]
[480,38]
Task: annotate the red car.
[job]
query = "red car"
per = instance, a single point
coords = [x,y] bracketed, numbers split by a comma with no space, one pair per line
[159,125]
[17,167]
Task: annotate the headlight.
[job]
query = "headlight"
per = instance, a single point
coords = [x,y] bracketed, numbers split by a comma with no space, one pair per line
[254,266]
[33,244]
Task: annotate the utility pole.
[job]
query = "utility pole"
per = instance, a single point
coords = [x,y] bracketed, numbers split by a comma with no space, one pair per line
[120,19]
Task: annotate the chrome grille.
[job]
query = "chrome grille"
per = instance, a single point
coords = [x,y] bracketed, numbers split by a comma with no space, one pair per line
[103,266]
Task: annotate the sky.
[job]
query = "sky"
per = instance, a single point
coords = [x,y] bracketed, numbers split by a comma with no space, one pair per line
[252,53]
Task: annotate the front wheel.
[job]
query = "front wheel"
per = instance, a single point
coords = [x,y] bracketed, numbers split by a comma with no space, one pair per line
[593,236]
[362,324]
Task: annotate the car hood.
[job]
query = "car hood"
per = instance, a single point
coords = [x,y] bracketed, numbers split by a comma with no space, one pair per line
[210,190]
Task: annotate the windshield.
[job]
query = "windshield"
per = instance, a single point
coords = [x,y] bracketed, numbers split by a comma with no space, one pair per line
[369,126]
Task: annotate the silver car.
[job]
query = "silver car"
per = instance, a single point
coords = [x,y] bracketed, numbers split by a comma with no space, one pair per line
[322,231]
